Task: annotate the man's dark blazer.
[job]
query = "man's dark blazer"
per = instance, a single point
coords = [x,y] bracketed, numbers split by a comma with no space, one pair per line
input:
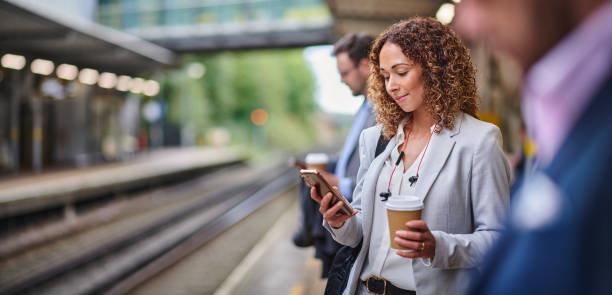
[571,252]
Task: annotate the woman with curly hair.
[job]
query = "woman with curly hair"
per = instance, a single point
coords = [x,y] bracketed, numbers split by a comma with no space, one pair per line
[423,88]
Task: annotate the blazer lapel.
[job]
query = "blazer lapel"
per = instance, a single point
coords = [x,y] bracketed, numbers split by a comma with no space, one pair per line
[440,148]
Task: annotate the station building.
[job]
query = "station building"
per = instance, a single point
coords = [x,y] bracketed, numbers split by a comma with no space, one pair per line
[70,89]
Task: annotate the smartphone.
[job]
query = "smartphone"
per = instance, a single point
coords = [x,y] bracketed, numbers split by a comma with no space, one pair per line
[314,178]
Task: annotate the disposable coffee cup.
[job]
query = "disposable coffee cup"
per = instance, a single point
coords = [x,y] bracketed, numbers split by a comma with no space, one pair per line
[316,161]
[400,210]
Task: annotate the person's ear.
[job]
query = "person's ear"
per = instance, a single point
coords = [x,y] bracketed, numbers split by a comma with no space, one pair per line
[364,65]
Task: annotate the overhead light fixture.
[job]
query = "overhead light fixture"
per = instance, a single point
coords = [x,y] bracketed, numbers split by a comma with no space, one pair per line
[107,80]
[138,85]
[13,61]
[124,83]
[151,88]
[67,71]
[446,13]
[457,1]
[42,67]
[88,76]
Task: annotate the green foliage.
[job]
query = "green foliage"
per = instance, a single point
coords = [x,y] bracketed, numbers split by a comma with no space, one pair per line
[236,83]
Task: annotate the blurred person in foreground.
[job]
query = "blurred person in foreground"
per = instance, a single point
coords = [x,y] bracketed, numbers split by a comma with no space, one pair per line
[559,238]
[522,162]
[424,92]
[351,53]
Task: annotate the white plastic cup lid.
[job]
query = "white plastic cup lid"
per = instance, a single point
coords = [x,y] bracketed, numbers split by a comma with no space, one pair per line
[316,158]
[404,203]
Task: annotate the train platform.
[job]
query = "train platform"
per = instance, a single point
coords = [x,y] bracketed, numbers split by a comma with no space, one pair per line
[264,261]
[276,266]
[254,257]
[33,192]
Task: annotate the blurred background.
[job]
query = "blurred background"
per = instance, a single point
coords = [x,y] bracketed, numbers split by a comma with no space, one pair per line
[87,82]
[108,108]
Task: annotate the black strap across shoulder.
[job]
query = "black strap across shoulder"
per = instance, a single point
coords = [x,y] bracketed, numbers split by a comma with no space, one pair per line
[345,257]
[380,145]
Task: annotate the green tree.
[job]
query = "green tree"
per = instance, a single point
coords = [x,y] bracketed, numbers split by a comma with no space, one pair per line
[234,84]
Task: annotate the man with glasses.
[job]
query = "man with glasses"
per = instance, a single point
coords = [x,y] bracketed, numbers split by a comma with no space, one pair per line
[351,53]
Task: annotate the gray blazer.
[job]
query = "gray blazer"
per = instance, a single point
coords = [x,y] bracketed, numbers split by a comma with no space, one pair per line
[466,194]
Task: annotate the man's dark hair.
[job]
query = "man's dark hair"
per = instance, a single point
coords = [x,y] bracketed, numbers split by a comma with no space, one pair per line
[356,45]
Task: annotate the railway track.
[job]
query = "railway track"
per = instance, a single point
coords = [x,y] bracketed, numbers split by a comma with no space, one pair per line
[115,257]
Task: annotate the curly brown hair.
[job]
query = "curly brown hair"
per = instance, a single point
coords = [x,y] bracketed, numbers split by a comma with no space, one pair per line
[448,74]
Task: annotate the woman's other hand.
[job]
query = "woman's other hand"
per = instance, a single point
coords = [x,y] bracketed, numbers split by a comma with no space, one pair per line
[332,214]
[418,237]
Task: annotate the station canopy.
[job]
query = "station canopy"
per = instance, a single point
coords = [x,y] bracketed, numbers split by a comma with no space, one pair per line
[373,16]
[28,29]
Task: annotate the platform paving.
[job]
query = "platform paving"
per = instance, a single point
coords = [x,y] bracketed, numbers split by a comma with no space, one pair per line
[276,266]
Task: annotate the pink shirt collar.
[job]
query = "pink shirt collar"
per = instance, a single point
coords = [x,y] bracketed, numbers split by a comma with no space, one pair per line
[560,86]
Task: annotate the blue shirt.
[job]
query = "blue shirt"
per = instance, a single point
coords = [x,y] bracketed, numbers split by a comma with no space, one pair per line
[345,183]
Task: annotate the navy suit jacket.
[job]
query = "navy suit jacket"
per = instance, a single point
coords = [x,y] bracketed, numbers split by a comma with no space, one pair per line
[568,249]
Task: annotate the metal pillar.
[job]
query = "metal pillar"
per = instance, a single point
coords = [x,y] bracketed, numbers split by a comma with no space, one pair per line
[14,100]
[37,134]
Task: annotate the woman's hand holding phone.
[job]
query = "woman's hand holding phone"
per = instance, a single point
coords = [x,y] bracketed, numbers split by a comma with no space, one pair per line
[332,214]
[331,178]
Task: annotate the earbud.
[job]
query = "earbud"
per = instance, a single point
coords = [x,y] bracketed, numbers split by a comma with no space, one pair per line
[385,196]
[413,179]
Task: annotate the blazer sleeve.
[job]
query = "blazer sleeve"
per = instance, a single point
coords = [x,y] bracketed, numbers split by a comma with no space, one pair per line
[351,232]
[489,197]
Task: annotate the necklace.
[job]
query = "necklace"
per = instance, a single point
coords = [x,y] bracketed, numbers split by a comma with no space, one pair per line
[412,179]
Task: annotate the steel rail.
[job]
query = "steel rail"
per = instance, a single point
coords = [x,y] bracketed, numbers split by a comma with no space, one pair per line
[249,192]
[204,235]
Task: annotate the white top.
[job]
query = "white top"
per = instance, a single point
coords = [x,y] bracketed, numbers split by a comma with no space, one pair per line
[382,260]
